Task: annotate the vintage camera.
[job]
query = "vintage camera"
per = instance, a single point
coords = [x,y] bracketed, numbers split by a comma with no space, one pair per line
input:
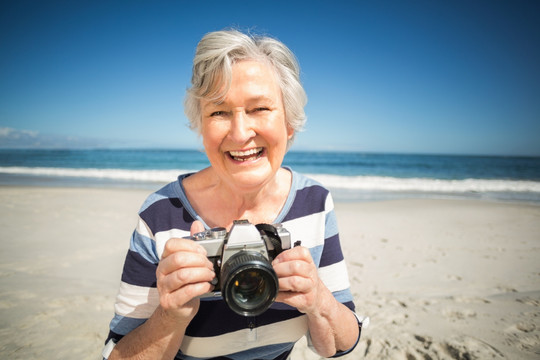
[242,262]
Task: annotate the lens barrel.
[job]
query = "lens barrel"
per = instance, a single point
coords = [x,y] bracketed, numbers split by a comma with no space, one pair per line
[249,283]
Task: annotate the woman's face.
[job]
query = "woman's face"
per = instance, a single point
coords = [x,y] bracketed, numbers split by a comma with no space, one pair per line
[245,136]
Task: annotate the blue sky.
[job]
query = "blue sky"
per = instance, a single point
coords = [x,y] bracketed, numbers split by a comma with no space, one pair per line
[459,77]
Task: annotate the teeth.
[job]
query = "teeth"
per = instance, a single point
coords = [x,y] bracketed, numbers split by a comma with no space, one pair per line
[246,153]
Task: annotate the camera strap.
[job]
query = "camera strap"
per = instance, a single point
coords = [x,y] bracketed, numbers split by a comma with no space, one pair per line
[270,232]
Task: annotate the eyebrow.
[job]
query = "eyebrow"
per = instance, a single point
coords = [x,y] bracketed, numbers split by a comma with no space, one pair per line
[249,100]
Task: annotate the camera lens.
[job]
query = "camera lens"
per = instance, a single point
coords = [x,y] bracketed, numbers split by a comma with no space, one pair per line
[250,284]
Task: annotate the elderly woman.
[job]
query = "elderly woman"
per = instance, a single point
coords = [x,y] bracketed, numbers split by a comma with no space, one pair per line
[246,102]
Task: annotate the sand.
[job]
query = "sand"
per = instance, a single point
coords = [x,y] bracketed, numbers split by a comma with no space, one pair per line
[440,279]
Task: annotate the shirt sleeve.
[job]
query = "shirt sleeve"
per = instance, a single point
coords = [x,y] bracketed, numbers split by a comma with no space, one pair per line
[332,266]
[137,296]
[333,269]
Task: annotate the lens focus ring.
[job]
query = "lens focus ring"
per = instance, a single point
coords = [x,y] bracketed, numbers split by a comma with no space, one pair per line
[250,284]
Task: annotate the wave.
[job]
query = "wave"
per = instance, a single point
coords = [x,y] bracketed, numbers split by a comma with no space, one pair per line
[381,183]
[350,183]
[94,173]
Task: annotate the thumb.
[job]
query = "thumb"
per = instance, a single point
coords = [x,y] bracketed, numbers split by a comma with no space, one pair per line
[196,227]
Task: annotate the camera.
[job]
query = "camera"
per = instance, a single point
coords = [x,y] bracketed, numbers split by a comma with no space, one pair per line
[242,263]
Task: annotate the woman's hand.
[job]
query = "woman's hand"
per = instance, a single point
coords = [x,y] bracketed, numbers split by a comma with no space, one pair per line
[332,325]
[299,283]
[183,274]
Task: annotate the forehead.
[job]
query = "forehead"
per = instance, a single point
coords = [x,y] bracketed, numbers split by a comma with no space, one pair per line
[253,73]
[252,68]
[249,79]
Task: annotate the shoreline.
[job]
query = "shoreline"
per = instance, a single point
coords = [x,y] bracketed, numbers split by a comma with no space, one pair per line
[444,278]
[342,191]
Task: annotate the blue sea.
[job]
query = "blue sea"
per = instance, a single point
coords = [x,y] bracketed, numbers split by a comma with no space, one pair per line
[351,176]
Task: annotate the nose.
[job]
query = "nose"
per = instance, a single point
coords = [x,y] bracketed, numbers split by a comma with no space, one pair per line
[241,127]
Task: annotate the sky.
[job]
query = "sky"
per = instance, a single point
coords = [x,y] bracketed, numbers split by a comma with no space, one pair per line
[440,77]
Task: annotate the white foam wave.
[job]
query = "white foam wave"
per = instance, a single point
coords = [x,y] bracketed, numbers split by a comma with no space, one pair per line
[112,174]
[358,183]
[379,183]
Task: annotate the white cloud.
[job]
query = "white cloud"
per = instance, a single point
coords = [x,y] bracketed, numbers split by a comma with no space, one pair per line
[12,137]
[23,139]
[5,131]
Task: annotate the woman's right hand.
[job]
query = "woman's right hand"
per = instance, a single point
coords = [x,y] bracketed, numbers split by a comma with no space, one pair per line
[183,274]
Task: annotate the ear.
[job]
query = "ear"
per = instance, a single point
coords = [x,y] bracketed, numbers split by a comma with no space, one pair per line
[290,132]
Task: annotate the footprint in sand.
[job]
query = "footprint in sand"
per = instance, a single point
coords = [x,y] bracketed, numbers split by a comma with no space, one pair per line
[529,301]
[464,347]
[458,314]
[413,346]
[469,300]
[525,326]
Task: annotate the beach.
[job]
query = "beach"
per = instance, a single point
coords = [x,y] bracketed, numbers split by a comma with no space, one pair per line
[439,278]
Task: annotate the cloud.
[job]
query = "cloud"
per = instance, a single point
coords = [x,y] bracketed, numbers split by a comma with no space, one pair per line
[27,139]
[7,133]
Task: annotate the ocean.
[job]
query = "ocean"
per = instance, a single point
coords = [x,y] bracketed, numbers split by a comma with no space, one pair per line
[351,176]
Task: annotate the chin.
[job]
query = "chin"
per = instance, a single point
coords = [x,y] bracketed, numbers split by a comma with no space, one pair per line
[253,177]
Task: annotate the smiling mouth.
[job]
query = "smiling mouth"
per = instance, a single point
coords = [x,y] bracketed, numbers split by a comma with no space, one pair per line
[247,155]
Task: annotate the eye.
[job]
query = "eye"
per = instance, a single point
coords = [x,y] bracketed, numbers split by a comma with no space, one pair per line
[217,113]
[260,108]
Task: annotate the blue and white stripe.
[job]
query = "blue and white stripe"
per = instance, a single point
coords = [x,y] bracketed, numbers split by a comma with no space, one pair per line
[215,331]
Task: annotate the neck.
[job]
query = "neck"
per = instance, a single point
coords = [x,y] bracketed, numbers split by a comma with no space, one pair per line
[255,203]
[227,202]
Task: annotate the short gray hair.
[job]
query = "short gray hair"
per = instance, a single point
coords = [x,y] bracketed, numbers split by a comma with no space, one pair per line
[212,69]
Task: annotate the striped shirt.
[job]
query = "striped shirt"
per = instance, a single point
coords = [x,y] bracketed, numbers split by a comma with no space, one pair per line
[216,331]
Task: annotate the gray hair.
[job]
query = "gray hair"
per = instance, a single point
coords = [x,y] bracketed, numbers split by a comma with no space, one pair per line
[212,72]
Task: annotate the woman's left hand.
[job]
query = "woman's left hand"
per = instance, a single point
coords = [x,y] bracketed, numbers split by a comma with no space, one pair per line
[299,283]
[332,325]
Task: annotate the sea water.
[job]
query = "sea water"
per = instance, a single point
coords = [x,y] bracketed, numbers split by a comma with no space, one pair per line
[349,175]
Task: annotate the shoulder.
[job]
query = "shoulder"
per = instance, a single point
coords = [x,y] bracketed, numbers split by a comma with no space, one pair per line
[304,182]
[308,190]
[167,207]
[309,197]
[169,191]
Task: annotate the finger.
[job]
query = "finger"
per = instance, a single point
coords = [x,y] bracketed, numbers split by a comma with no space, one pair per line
[302,302]
[183,259]
[290,298]
[180,244]
[296,253]
[184,277]
[196,227]
[180,297]
[294,268]
[296,284]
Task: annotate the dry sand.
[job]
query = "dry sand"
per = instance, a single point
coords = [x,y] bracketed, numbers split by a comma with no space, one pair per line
[440,279]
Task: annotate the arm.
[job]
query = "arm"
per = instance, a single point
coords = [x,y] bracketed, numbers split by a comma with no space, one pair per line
[158,338]
[183,273]
[333,327]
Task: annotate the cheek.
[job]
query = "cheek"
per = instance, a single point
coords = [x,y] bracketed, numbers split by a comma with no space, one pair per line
[211,135]
[278,135]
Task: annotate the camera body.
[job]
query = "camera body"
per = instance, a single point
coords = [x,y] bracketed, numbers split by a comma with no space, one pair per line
[242,263]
